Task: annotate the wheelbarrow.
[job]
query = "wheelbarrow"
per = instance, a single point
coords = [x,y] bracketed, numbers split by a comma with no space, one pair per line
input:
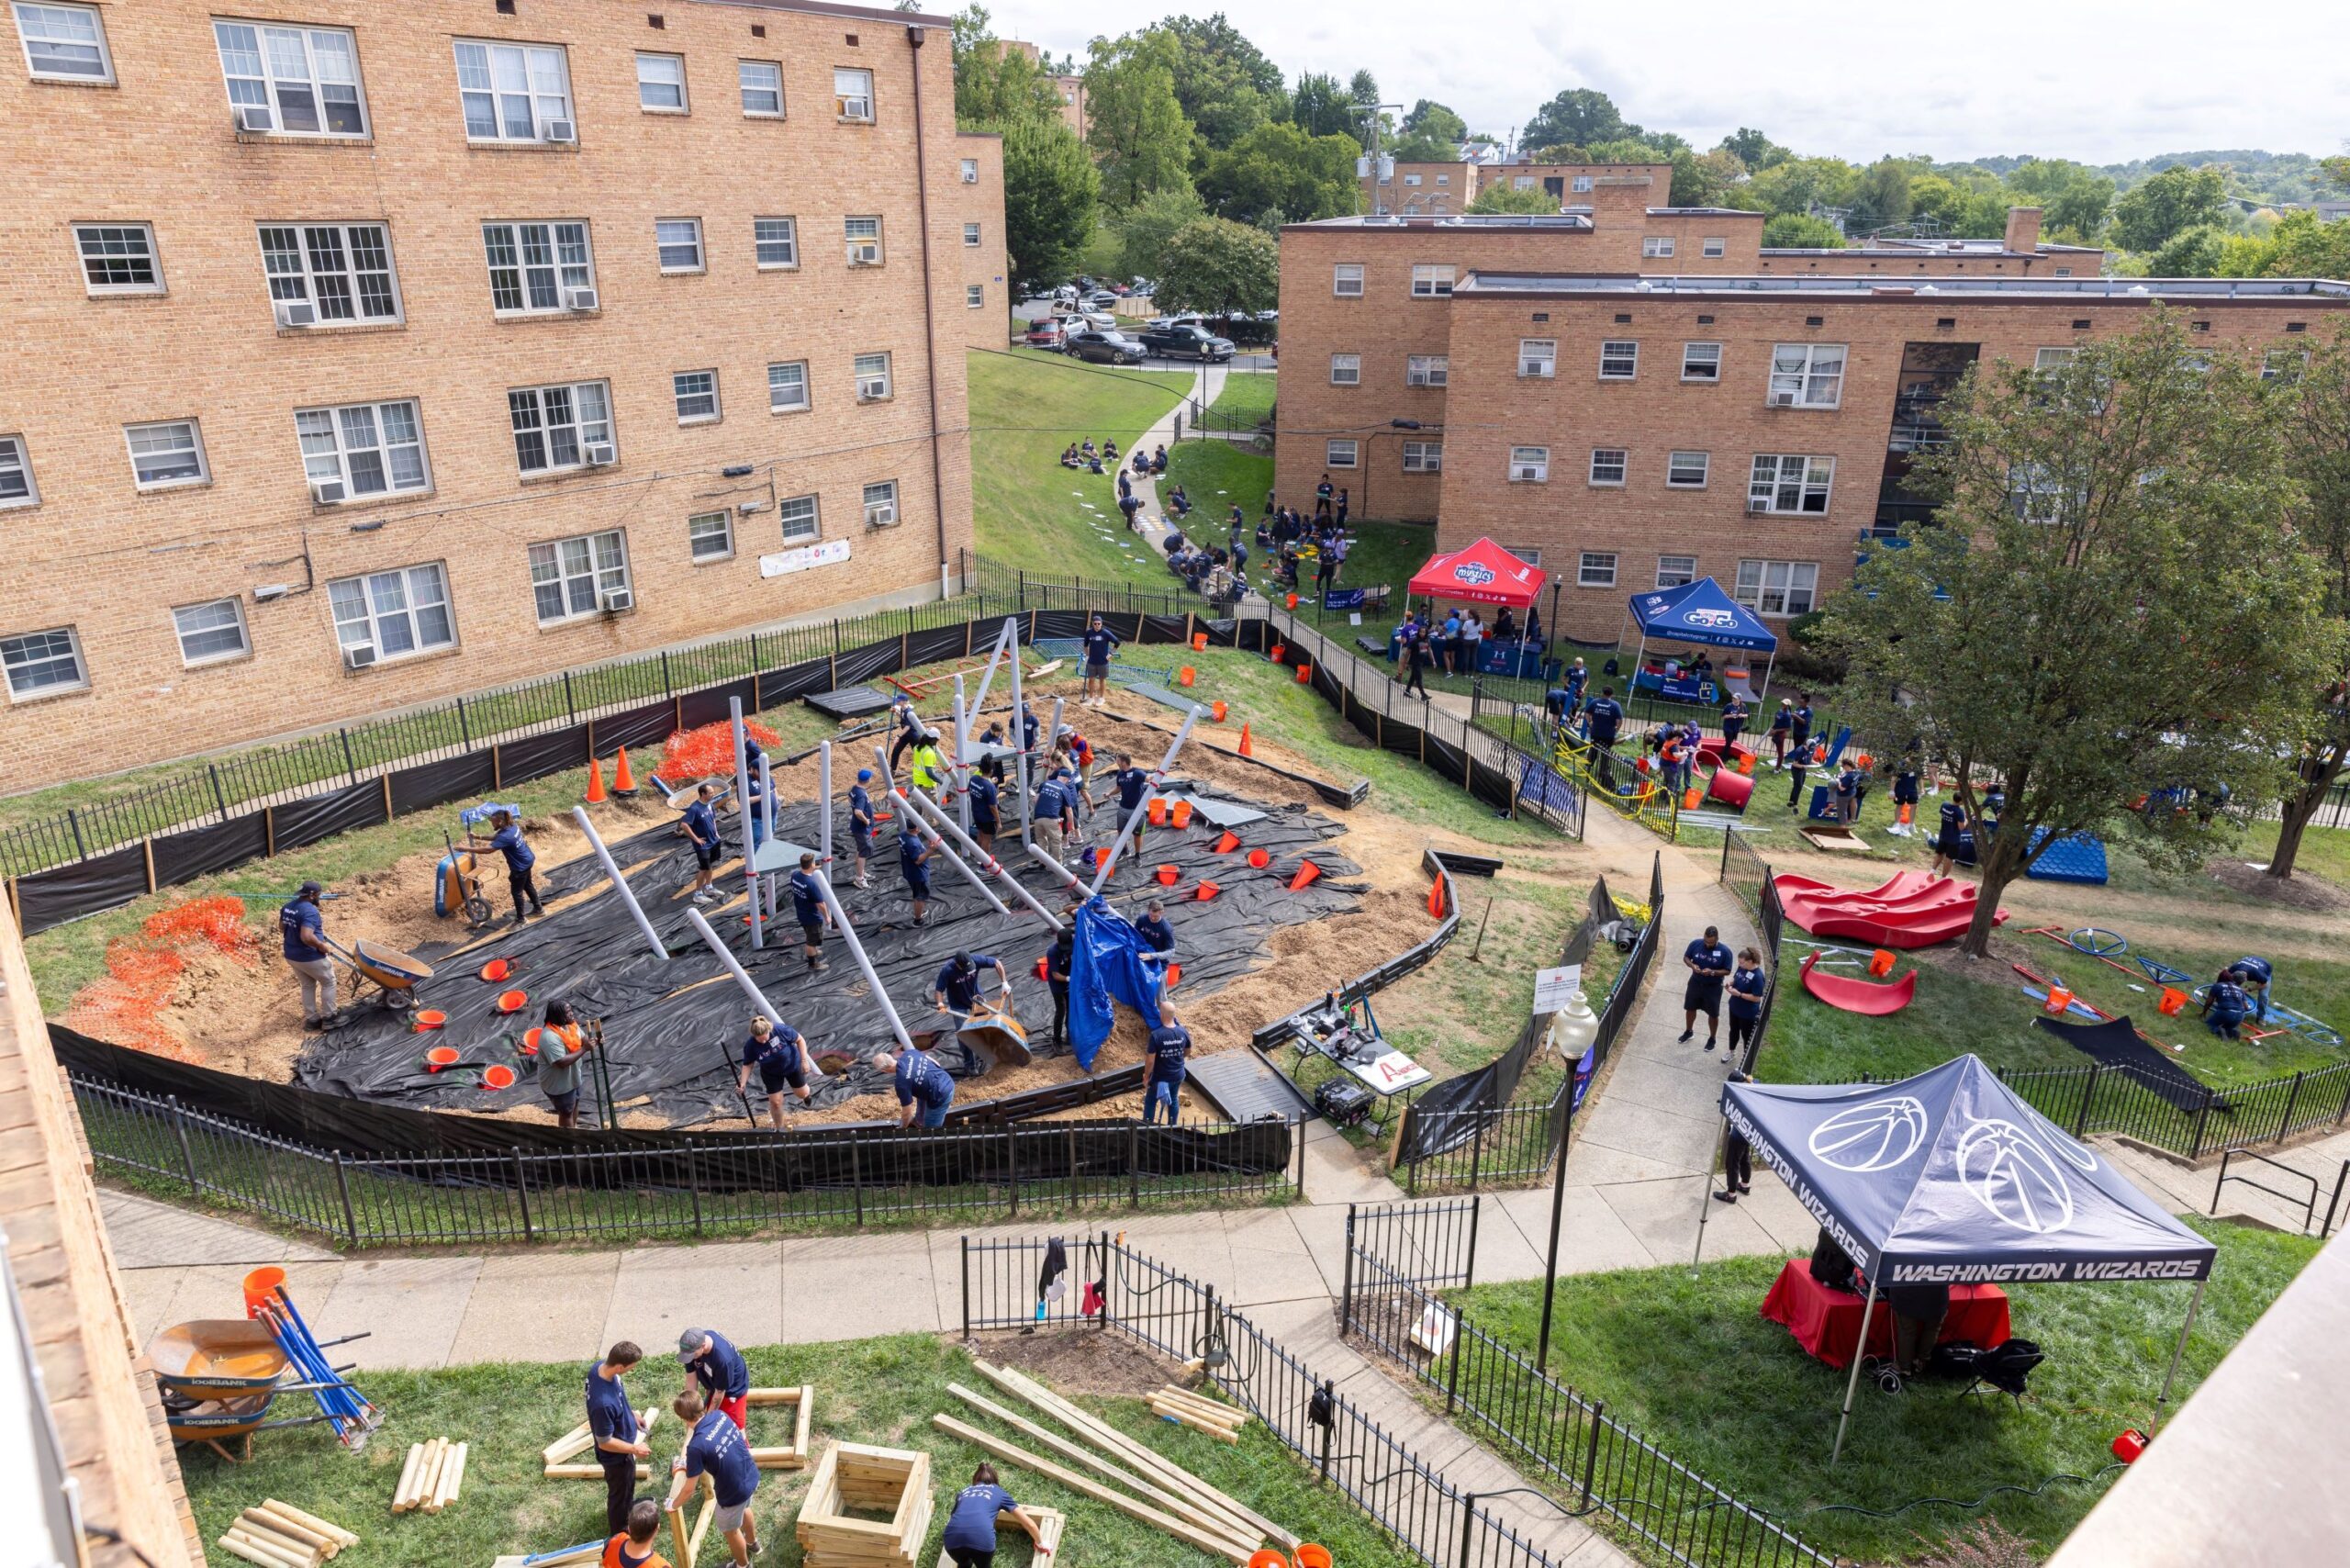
[992,1035]
[393,973]
[457,886]
[217,1379]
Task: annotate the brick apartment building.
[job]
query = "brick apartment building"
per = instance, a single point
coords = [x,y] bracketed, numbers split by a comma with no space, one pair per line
[987,264]
[1639,401]
[1068,89]
[380,354]
[1437,190]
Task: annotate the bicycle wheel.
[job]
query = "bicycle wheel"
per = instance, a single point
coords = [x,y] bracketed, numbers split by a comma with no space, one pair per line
[2098,943]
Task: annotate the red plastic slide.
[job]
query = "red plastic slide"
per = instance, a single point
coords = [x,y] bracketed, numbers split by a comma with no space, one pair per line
[1914,909]
[1858,996]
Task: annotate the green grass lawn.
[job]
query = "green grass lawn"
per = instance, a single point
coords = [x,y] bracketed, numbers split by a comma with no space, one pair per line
[872,1391]
[1245,399]
[1029,511]
[1218,475]
[2325,851]
[1691,1366]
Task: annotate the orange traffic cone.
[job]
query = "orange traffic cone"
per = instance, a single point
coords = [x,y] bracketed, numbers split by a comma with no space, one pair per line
[1245,749]
[623,781]
[1306,871]
[596,796]
[1227,844]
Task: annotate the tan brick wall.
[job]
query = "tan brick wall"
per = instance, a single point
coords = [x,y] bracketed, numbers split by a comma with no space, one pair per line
[1862,262]
[1740,234]
[986,265]
[1491,409]
[158,148]
[1455,185]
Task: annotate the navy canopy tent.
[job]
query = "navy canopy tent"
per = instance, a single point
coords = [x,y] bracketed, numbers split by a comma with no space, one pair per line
[1950,1178]
[1702,613]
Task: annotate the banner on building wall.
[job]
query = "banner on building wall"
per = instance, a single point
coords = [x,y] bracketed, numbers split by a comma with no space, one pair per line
[830,553]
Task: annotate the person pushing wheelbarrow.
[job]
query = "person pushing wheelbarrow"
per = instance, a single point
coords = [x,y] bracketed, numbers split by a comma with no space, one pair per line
[977,1023]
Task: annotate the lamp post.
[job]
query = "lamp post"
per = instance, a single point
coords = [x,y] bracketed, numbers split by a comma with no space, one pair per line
[1573,1029]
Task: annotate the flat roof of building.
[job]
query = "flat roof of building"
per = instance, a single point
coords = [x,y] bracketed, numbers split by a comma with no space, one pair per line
[1706,212]
[827,8]
[1569,222]
[1811,286]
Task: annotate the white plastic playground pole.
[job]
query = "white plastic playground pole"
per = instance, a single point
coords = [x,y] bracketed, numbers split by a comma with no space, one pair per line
[1019,750]
[864,964]
[1051,736]
[1134,818]
[930,837]
[962,757]
[979,856]
[750,988]
[1069,881]
[619,883]
[824,816]
[742,808]
[1011,631]
[768,809]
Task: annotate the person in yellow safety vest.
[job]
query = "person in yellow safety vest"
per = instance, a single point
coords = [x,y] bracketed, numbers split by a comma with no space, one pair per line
[926,766]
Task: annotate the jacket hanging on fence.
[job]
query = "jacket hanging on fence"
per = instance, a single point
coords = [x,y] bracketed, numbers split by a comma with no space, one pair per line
[1051,1283]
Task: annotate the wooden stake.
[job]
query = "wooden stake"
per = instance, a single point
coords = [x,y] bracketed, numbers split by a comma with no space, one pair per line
[578,1441]
[271,1540]
[589,1472]
[404,1494]
[1183,1417]
[325,1526]
[277,1552]
[264,1525]
[1223,1415]
[1215,1545]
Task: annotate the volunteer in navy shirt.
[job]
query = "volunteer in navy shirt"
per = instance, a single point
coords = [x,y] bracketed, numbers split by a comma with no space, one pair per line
[959,985]
[861,824]
[303,934]
[2253,975]
[907,722]
[506,839]
[1710,965]
[1169,1043]
[719,1368]
[913,864]
[1747,985]
[780,1054]
[1133,788]
[984,797]
[1156,935]
[1605,716]
[971,1521]
[1099,643]
[716,1448]
[1946,837]
[924,1088]
[808,908]
[1802,721]
[701,827]
[611,1426]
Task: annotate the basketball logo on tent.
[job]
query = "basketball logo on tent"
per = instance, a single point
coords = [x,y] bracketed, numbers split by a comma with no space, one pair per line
[2066,1149]
[1710,618]
[2014,1178]
[1474,572]
[1877,1136]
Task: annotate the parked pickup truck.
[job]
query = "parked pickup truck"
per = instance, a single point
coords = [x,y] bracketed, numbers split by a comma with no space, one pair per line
[1186,341]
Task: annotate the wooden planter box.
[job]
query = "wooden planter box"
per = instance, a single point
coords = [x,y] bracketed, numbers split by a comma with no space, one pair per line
[801,1406]
[894,1483]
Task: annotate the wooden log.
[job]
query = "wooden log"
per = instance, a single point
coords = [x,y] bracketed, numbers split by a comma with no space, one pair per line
[284,1545]
[453,1476]
[404,1494]
[237,1544]
[1215,1545]
[279,1551]
[428,1472]
[1222,1415]
[264,1525]
[1183,1417]
[429,1503]
[779,1458]
[576,1442]
[325,1526]
[801,1418]
[590,1472]
[701,1523]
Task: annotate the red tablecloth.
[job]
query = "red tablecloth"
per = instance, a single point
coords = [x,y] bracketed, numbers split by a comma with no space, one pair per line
[1827,1322]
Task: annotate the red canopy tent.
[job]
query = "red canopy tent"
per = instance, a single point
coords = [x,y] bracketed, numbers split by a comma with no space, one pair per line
[1484,572]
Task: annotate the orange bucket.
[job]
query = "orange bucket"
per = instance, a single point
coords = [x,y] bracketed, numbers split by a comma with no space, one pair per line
[2173,1001]
[260,1289]
[497,1077]
[1746,763]
[497,969]
[1279,649]
[1199,642]
[1158,811]
[1293,601]
[1174,973]
[1207,889]
[2059,999]
[1305,674]
[512,1001]
[1227,844]
[529,1047]
[1881,963]
[1261,859]
[1215,710]
[1185,676]
[440,1057]
[1167,875]
[430,1018]
[1691,796]
[1180,814]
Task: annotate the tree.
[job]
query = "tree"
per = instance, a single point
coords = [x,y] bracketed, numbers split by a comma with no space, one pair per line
[2315,407]
[1501,197]
[2064,630]
[1136,125]
[1800,184]
[2075,200]
[1320,106]
[2149,213]
[1420,146]
[2192,253]
[1580,115]
[1795,231]
[2299,245]
[1050,192]
[1753,149]
[1218,267]
[1145,229]
[1431,119]
[1225,83]
[1882,195]
[1278,174]
[2337,173]
[995,85]
[1704,179]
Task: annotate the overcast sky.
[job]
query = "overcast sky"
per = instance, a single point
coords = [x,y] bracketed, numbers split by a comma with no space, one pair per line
[2084,79]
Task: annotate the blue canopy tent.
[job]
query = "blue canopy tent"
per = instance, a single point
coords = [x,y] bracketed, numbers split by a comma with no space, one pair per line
[1701,612]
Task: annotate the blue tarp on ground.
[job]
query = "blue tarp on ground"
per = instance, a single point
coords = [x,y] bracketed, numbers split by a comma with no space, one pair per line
[1106,967]
[1701,612]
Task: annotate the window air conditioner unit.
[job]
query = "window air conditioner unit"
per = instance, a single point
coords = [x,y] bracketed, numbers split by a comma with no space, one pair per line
[601,454]
[1541,368]
[359,657]
[864,253]
[1526,471]
[1783,399]
[561,131]
[296,313]
[254,119]
[579,299]
[881,516]
[325,492]
[1757,504]
[611,601]
[872,388]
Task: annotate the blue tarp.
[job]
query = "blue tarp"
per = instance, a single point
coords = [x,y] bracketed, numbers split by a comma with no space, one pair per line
[1106,967]
[1701,612]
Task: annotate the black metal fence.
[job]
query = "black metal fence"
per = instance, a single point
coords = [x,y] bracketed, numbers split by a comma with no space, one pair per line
[1398,1258]
[690,1185]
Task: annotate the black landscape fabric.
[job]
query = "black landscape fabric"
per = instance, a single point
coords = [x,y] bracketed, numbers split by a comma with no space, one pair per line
[673,1026]
[2115,1042]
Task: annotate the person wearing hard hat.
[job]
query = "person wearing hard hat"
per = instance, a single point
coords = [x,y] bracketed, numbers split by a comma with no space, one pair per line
[303,932]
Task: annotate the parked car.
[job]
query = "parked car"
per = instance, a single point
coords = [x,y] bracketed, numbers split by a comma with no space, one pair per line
[1098,346]
[1187,340]
[1045,332]
[1070,314]
[1102,299]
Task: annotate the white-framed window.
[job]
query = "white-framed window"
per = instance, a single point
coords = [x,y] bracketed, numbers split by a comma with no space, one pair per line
[710,536]
[2037,492]
[1346,370]
[514,92]
[210,632]
[2054,359]
[1675,571]
[797,514]
[2064,271]
[1582,183]
[165,454]
[1529,465]
[2283,365]
[881,504]
[761,81]
[1411,179]
[1619,359]
[1431,281]
[302,80]
[1537,358]
[398,612]
[40,662]
[1808,376]
[971,235]
[696,392]
[1346,280]
[1778,588]
[775,242]
[788,386]
[872,374]
[1656,246]
[1444,179]
[63,43]
[970,171]
[16,487]
[118,258]
[853,94]
[677,241]
[344,271]
[1339,453]
[1423,457]
[1595,568]
[1522,182]
[1786,483]
[1608,464]
[1701,362]
[557,428]
[535,267]
[1686,470]
[1529,554]
[570,577]
[661,84]
[975,295]
[864,239]
[1426,370]
[1713,246]
[362,450]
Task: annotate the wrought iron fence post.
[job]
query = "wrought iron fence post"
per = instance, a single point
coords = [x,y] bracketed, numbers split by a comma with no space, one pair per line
[1298,1129]
[464,730]
[2089,1097]
[1076,1186]
[343,1186]
[2292,1098]
[2202,1120]
[1133,1165]
[1468,1524]
[522,1190]
[857,1178]
[693,1181]
[2344,1108]
[967,1289]
[1591,1453]
[1330,1401]
[219,797]
[187,1153]
[1453,1373]
[1476,1147]
[74,821]
[1346,1286]
[569,711]
[668,690]
[1012,1165]
[1469,1266]
[1105,1282]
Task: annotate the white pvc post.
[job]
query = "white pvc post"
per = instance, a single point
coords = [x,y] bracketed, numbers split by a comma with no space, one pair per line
[742,808]
[824,816]
[1020,749]
[768,809]
[750,988]
[619,883]
[1134,818]
[979,856]
[930,836]
[1010,633]
[1070,879]
[962,757]
[864,964]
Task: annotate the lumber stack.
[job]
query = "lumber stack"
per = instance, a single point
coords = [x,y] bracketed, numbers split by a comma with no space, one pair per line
[801,1404]
[1222,1422]
[572,1456]
[1051,1525]
[431,1478]
[895,1481]
[278,1535]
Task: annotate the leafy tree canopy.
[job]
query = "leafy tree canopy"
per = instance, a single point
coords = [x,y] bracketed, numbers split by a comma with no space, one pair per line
[1144,229]
[1225,83]
[1050,192]
[2150,215]
[1502,196]
[1321,105]
[1753,149]
[1137,129]
[1795,231]
[1278,174]
[1578,115]
[1435,120]
[1218,267]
